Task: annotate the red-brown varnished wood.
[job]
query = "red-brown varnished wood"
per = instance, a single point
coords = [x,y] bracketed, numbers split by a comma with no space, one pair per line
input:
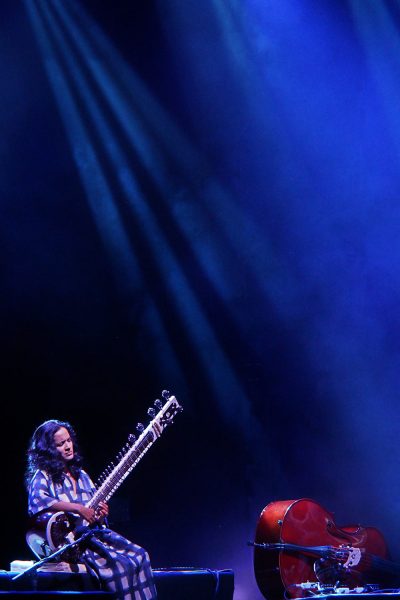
[304,522]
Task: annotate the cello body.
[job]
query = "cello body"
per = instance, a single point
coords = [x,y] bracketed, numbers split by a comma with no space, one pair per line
[305,523]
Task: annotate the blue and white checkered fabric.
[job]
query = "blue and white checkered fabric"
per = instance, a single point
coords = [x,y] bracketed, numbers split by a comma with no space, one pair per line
[123,567]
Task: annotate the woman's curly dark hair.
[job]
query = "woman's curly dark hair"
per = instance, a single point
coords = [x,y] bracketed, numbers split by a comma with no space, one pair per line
[42,452]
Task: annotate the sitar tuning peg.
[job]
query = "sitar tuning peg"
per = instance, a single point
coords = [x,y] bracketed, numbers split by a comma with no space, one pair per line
[151,412]
[158,404]
[165,394]
[140,427]
[131,438]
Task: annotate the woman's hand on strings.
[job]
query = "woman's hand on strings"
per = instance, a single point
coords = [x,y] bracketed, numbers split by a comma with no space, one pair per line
[102,511]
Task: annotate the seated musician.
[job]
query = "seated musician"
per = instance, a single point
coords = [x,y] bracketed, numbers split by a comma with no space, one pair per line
[56,482]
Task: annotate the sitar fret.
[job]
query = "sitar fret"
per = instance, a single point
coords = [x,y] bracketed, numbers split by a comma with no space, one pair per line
[122,470]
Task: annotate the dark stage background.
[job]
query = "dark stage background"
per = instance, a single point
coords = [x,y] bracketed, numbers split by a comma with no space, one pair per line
[203,197]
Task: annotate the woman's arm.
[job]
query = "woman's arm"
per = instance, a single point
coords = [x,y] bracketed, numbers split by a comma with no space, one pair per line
[85,512]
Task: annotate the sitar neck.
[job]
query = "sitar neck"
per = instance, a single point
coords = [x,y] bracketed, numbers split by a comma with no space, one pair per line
[130,458]
[122,469]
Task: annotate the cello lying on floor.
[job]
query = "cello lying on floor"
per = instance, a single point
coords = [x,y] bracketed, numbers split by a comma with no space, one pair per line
[297,541]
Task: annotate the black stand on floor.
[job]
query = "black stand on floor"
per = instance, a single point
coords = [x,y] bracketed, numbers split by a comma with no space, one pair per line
[39,563]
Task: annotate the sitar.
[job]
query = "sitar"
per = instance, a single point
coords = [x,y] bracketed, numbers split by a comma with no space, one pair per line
[49,531]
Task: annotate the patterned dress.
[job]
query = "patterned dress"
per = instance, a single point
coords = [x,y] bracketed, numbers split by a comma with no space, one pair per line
[122,567]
